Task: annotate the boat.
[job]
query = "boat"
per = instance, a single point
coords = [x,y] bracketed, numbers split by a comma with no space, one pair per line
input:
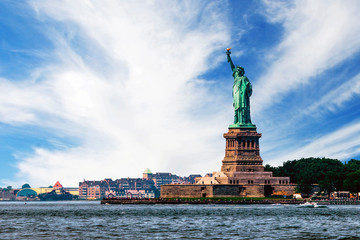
[309,205]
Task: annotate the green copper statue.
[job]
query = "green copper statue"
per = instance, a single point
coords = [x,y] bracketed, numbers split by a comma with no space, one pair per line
[241,93]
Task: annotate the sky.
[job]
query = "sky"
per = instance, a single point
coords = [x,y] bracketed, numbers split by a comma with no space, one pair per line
[105,89]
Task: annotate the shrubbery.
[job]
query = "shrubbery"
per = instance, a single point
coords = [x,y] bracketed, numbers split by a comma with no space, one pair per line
[330,174]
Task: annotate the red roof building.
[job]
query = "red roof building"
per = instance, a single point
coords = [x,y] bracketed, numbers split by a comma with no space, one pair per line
[58,185]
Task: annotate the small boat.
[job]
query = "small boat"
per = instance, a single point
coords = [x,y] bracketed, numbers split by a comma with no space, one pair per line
[309,205]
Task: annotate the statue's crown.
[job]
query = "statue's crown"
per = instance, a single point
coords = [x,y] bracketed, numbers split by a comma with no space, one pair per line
[241,68]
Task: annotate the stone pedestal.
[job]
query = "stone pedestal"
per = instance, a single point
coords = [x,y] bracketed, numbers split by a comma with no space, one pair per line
[242,152]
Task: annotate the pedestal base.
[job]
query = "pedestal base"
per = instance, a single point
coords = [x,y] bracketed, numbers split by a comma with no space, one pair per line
[242,153]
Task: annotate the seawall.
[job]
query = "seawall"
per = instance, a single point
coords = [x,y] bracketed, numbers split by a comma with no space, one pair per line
[200,201]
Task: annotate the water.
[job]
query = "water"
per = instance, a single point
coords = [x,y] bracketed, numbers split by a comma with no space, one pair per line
[90,220]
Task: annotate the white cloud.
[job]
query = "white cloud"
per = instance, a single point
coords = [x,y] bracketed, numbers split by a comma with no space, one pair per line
[337,97]
[341,144]
[137,113]
[317,36]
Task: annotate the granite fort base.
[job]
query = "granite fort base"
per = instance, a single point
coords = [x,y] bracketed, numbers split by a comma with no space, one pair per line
[242,173]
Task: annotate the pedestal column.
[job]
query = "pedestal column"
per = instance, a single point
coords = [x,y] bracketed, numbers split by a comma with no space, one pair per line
[242,152]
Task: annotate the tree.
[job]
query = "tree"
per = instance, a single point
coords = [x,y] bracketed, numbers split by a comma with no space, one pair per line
[352,182]
[328,173]
[352,166]
[26,185]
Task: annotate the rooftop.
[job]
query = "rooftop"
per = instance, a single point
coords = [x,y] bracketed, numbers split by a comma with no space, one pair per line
[147,170]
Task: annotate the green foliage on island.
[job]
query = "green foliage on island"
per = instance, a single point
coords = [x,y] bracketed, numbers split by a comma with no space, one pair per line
[330,174]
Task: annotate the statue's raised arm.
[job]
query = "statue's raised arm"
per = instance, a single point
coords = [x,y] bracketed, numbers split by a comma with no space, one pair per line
[229,59]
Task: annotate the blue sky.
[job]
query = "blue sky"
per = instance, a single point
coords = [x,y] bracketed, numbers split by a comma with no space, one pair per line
[97,89]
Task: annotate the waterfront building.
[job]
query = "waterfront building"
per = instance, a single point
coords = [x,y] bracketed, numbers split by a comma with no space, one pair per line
[124,187]
[146,187]
[26,194]
[42,190]
[92,189]
[340,195]
[147,174]
[8,194]
[58,185]
[192,178]
[168,178]
[164,178]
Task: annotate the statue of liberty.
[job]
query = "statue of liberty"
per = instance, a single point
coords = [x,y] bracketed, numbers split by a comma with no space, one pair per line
[241,93]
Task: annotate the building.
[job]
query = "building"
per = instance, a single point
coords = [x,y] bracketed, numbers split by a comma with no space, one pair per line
[146,187]
[8,194]
[26,194]
[168,178]
[164,178]
[92,189]
[123,188]
[72,190]
[147,174]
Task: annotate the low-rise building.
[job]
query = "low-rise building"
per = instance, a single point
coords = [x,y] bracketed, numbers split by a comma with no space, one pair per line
[124,187]
[146,187]
[8,194]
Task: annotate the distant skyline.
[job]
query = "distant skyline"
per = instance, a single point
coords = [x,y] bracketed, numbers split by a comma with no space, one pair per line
[106,89]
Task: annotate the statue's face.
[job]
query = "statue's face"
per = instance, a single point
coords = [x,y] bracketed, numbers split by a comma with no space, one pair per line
[240,71]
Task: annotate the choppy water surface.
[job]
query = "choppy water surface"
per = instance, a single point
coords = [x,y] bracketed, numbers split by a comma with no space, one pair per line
[90,220]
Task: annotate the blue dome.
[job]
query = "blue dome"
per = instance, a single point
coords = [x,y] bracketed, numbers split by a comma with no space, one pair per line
[26,193]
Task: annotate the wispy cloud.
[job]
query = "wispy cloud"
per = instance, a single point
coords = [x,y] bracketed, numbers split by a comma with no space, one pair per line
[338,97]
[340,144]
[317,36]
[138,113]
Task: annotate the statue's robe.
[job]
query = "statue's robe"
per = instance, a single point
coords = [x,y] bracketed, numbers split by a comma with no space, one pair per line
[242,91]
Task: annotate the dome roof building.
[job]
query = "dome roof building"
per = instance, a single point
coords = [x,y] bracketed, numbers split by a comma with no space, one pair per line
[26,194]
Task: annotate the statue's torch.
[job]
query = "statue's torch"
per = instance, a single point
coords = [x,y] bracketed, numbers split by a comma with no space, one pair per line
[228,51]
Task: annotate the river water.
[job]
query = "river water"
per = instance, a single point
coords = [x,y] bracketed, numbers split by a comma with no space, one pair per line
[90,220]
